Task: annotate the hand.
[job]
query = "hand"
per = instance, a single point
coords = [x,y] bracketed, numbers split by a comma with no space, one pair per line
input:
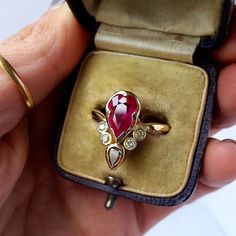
[33,199]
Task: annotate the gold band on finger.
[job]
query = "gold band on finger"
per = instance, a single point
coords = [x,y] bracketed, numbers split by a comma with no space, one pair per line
[6,66]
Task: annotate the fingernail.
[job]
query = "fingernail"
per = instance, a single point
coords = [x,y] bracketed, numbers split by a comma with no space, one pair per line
[56,4]
[229,140]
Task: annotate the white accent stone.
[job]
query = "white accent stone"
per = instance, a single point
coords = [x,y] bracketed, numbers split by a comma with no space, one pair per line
[114,155]
[130,144]
[102,127]
[139,134]
[105,138]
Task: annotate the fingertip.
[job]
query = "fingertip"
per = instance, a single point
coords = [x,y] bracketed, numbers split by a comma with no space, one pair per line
[227,52]
[219,163]
[226,93]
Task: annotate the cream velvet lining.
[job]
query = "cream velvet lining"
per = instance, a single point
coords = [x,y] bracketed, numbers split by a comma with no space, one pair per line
[161,165]
[146,43]
[189,17]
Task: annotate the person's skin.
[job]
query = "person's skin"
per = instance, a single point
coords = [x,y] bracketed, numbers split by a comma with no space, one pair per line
[33,199]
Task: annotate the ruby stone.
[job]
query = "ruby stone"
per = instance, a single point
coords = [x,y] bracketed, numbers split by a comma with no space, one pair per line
[122,111]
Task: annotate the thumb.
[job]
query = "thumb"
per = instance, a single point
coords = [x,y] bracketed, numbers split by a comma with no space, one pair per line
[43,54]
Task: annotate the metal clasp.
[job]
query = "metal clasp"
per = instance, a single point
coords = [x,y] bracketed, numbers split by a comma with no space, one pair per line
[111,198]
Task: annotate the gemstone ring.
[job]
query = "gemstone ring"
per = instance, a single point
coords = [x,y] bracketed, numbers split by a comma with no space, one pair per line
[121,129]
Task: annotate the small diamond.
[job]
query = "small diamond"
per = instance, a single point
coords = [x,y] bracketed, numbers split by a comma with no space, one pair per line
[130,144]
[139,134]
[105,138]
[102,127]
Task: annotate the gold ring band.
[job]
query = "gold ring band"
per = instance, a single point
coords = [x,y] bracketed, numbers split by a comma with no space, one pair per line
[152,128]
[6,66]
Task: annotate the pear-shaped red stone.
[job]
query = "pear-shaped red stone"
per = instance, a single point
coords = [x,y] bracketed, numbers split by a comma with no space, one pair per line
[122,111]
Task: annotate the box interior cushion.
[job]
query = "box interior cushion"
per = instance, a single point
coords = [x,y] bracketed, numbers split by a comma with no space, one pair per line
[189,17]
[161,165]
[146,43]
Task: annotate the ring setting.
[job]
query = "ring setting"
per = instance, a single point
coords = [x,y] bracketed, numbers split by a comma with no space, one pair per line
[121,128]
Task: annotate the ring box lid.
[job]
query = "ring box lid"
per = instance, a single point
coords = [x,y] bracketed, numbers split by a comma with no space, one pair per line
[158,28]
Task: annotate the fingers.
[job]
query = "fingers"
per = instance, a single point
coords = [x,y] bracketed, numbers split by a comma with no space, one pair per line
[43,54]
[219,164]
[225,112]
[227,53]
[219,169]
[13,153]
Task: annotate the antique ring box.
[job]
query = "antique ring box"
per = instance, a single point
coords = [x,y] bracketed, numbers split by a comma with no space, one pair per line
[156,49]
